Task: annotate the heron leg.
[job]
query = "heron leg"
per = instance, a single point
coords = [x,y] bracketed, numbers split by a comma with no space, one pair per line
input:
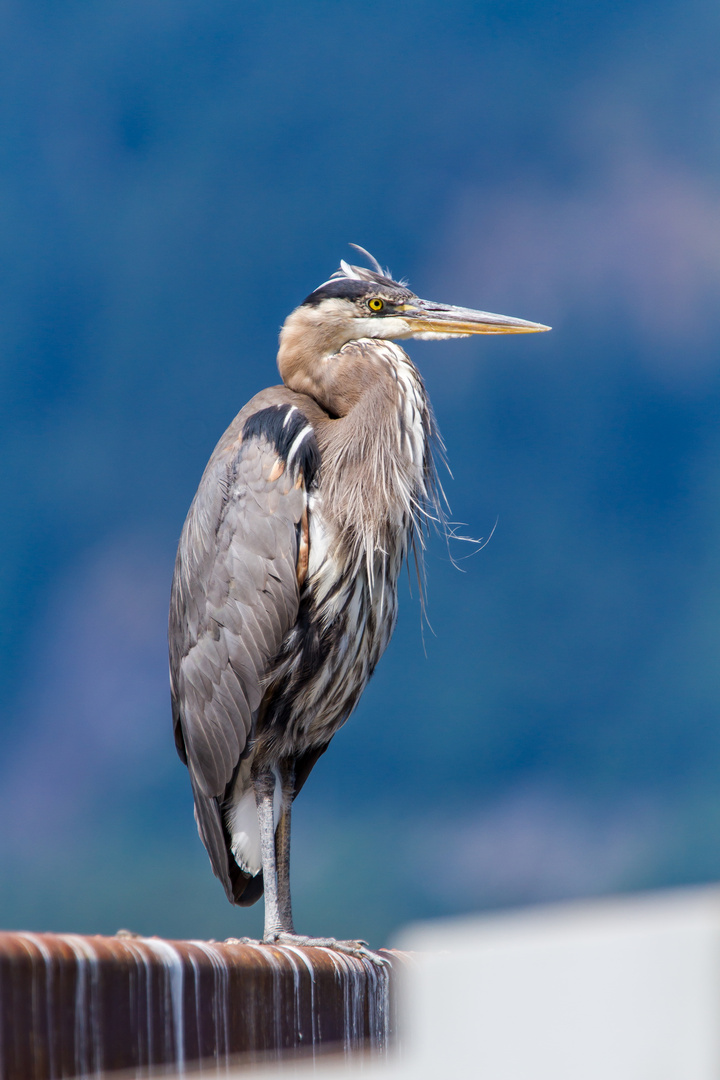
[282,846]
[264,784]
[275,851]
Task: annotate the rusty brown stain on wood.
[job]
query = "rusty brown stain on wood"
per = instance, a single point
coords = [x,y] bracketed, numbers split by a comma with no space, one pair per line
[72,1005]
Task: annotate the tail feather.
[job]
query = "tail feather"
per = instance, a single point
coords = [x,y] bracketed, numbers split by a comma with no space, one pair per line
[240,887]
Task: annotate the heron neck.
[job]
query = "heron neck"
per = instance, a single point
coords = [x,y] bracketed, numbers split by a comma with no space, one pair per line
[375,453]
[316,358]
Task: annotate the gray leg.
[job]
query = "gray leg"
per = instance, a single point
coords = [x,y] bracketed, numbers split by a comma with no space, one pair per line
[282,847]
[276,874]
[264,790]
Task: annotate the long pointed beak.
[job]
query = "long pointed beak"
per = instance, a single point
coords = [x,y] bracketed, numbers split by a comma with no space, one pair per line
[427,319]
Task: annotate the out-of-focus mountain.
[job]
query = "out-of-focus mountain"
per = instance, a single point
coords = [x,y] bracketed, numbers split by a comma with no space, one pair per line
[175,178]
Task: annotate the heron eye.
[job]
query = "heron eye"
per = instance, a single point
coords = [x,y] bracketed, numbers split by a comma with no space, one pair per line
[376,304]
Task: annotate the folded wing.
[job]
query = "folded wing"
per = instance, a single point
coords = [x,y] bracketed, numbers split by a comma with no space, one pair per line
[235,596]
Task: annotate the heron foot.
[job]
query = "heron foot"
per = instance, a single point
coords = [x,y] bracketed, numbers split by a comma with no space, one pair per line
[349,948]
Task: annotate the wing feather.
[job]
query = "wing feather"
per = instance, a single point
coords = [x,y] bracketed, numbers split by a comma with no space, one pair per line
[234,599]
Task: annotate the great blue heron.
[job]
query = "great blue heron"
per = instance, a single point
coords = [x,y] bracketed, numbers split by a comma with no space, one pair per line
[285,589]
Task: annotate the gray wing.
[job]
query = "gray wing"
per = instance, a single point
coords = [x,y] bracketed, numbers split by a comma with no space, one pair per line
[235,596]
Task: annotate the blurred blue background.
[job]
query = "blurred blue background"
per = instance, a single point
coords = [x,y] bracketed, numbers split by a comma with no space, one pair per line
[176,176]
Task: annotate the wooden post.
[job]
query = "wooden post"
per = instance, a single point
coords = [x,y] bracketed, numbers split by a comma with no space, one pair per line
[72,1005]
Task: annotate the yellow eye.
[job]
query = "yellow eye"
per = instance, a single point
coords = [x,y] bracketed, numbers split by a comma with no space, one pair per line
[376,304]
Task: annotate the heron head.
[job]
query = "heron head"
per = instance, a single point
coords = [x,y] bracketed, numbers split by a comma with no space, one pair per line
[358,303]
[366,303]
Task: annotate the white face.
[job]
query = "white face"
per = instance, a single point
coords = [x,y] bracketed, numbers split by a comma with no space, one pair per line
[388,328]
[394,328]
[351,324]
